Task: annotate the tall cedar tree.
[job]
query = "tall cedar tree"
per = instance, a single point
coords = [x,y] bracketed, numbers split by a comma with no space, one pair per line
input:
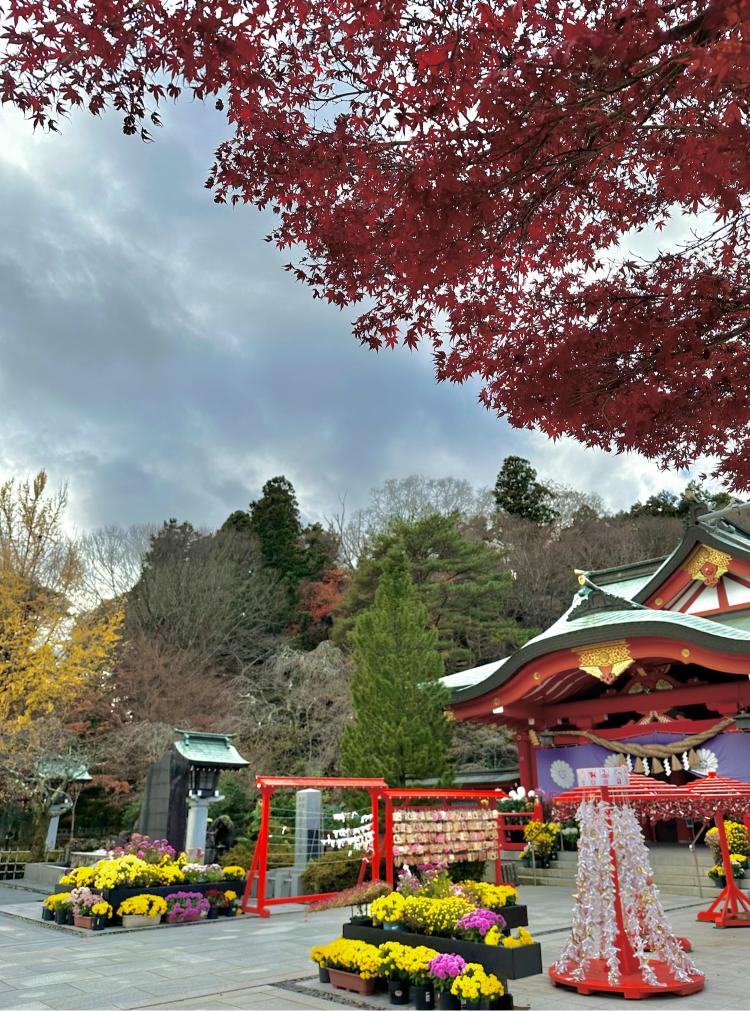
[461,581]
[474,173]
[399,730]
[298,554]
[518,492]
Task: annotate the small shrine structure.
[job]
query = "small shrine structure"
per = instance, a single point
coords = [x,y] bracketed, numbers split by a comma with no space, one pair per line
[649,667]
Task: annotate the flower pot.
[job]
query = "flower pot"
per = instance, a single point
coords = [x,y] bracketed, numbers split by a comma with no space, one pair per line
[361,921]
[139,920]
[398,992]
[351,981]
[69,917]
[83,921]
[323,975]
[47,914]
[188,916]
[213,913]
[394,926]
[61,916]
[446,1000]
[99,923]
[473,1003]
[505,1001]
[423,997]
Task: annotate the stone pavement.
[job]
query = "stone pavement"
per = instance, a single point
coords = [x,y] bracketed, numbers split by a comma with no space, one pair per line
[256,964]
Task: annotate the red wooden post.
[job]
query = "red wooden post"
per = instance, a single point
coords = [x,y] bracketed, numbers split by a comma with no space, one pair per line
[526,762]
[389,841]
[626,956]
[375,873]
[265,817]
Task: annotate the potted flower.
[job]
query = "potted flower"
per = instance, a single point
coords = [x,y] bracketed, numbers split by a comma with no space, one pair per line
[569,834]
[420,982]
[468,986]
[233,873]
[476,925]
[101,912]
[185,907]
[219,902]
[231,907]
[64,911]
[83,900]
[318,955]
[492,993]
[719,878]
[142,910]
[351,965]
[50,904]
[395,965]
[442,971]
[388,911]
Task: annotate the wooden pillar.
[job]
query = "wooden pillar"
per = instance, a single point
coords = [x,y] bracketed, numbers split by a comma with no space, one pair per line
[526,760]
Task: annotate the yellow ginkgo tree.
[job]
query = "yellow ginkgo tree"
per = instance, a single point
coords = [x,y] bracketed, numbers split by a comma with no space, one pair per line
[51,651]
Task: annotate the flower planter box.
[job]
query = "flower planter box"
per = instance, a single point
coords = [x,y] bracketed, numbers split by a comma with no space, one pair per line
[507,963]
[351,981]
[117,895]
[514,916]
[190,916]
[139,920]
[86,922]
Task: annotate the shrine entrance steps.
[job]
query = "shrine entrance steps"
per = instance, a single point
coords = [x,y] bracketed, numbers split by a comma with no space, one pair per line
[673,865]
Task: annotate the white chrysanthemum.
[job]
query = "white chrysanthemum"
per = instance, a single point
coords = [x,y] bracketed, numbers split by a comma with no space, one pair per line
[707,761]
[613,761]
[562,774]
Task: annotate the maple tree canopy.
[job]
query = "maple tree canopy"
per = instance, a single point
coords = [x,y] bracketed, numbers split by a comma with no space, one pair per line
[468,169]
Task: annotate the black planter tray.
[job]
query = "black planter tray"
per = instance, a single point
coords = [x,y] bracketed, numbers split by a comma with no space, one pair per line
[514,916]
[508,963]
[116,895]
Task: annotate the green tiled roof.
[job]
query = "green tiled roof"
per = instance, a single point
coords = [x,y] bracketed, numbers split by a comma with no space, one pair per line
[202,748]
[598,626]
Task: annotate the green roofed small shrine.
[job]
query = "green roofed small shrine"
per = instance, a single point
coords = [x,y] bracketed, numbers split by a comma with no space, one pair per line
[649,667]
[215,750]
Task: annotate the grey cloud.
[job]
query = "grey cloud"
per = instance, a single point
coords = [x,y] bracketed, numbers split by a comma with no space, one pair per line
[154,354]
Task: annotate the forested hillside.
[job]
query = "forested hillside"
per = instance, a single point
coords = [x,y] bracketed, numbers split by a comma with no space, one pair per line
[260,628]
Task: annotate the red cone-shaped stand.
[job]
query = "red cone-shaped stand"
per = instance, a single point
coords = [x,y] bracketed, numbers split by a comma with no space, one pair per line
[631,985]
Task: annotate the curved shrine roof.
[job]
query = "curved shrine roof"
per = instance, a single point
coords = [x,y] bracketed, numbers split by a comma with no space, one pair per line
[610,606]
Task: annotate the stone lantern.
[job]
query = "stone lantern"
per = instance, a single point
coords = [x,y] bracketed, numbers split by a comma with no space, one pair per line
[207,756]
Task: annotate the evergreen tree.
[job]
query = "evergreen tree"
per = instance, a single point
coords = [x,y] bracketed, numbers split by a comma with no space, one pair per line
[275,520]
[462,582]
[518,492]
[297,554]
[666,503]
[399,730]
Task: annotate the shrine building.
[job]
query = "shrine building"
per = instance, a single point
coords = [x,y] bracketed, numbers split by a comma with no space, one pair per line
[649,667]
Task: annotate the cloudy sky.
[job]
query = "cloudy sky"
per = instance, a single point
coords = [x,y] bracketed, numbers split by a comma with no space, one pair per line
[155,356]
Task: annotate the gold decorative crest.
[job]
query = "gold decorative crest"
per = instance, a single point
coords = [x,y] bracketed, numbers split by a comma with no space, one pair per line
[707,565]
[606,661]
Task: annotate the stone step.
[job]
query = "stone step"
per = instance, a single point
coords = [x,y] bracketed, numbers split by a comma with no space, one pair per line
[709,893]
[43,876]
[685,876]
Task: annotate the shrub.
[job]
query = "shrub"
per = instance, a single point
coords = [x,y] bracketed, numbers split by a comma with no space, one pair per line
[241,854]
[332,872]
[467,870]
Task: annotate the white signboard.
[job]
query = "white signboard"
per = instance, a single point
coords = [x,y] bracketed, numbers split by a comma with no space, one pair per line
[610,776]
